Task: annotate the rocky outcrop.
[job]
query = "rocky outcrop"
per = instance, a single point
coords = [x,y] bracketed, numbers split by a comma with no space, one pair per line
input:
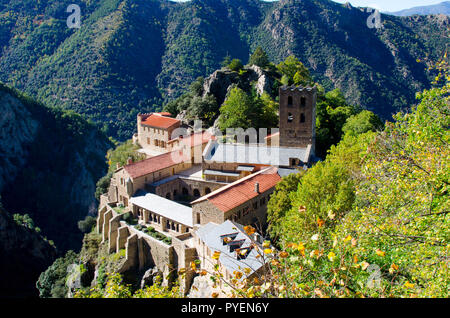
[24,255]
[220,82]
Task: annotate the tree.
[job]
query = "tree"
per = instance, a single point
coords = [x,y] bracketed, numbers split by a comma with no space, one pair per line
[52,282]
[332,113]
[281,202]
[236,110]
[361,123]
[226,61]
[295,71]
[102,185]
[121,154]
[402,209]
[259,58]
[235,65]
[87,224]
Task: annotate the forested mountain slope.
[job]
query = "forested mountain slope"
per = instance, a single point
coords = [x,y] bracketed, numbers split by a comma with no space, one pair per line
[132,56]
[50,161]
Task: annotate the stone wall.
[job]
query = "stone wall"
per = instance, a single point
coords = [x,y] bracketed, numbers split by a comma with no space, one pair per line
[252,212]
[147,135]
[297,116]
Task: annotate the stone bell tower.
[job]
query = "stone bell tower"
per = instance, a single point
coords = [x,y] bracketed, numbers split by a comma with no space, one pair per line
[298,116]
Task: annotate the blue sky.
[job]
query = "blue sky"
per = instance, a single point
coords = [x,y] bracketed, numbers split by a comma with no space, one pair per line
[385,5]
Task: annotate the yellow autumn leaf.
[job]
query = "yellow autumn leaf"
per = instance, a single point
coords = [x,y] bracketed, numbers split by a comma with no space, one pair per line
[284,254]
[348,238]
[409,285]
[215,295]
[267,251]
[216,255]
[249,230]
[320,222]
[331,256]
[393,268]
[380,253]
[364,265]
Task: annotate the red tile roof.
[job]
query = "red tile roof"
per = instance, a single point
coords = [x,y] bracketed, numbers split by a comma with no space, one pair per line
[159,121]
[164,114]
[195,139]
[243,190]
[154,164]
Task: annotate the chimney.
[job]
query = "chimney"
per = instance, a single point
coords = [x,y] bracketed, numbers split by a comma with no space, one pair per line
[129,161]
[117,166]
[257,187]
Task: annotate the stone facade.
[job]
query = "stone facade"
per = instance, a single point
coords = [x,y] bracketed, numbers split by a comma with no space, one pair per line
[297,116]
[252,212]
[154,138]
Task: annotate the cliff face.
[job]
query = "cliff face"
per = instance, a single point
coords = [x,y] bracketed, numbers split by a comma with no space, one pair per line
[50,161]
[24,255]
[219,83]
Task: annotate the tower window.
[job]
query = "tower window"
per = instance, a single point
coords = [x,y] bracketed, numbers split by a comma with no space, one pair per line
[290,101]
[290,118]
[302,118]
[303,101]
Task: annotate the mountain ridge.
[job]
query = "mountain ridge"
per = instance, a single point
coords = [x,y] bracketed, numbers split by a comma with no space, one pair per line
[440,8]
[134,56]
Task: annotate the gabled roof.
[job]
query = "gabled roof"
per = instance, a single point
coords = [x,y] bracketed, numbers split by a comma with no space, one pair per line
[163,207]
[153,164]
[159,121]
[243,190]
[255,154]
[194,140]
[211,234]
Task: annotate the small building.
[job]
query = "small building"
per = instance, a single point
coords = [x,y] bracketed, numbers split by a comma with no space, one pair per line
[155,131]
[243,201]
[238,251]
[129,179]
[162,214]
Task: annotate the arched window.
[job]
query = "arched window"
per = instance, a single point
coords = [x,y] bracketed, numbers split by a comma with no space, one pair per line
[303,101]
[290,101]
[175,193]
[185,191]
[302,118]
[207,191]
[290,118]
[196,193]
[168,196]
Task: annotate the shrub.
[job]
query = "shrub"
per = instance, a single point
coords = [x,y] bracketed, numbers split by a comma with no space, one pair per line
[235,65]
[87,224]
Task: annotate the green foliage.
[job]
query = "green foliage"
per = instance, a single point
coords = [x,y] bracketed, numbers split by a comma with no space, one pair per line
[361,123]
[102,185]
[235,65]
[52,282]
[326,191]
[116,288]
[243,111]
[122,153]
[129,218]
[378,205]
[87,224]
[332,112]
[64,145]
[259,58]
[281,202]
[109,75]
[295,72]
